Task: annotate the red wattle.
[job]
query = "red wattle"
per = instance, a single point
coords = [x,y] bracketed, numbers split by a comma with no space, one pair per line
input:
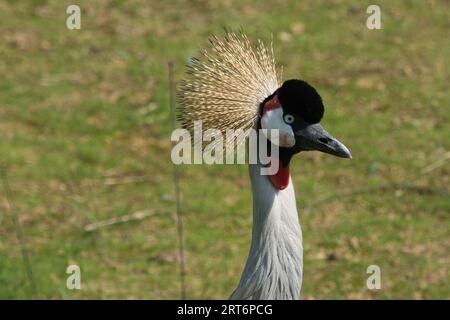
[280,180]
[271,104]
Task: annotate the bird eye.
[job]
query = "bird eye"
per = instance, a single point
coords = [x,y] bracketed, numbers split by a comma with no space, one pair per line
[288,118]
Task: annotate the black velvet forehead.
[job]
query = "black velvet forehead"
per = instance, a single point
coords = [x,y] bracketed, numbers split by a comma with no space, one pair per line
[299,98]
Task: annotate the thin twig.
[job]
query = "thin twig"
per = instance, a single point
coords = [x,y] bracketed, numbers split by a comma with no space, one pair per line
[126,180]
[384,187]
[19,233]
[436,164]
[176,179]
[392,186]
[139,215]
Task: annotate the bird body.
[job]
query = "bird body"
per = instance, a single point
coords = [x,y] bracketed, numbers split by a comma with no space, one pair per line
[236,86]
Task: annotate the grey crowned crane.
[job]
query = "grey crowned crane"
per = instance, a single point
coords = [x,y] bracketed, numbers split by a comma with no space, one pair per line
[235,85]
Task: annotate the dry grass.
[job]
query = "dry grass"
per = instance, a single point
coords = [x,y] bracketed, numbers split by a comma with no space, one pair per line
[80,107]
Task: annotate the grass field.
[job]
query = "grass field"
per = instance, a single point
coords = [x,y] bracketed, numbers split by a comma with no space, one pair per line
[85,137]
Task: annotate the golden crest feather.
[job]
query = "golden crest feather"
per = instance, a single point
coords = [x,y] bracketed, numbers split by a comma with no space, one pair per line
[225,86]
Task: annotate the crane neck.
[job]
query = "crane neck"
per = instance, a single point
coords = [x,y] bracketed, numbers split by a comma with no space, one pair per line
[274,266]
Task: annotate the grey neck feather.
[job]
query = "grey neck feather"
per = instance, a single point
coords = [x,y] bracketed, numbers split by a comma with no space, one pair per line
[275,263]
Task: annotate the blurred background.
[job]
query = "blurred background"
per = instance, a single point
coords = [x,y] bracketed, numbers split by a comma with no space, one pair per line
[85,138]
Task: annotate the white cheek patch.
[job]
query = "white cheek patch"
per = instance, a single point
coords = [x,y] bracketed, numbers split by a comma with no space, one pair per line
[273,119]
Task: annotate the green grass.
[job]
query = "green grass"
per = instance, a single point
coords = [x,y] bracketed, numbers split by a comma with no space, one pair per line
[79,107]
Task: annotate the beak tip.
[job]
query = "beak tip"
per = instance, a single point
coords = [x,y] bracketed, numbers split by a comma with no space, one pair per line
[345,156]
[344,152]
[348,155]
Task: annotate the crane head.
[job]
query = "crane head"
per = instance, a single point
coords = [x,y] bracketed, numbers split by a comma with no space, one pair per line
[296,109]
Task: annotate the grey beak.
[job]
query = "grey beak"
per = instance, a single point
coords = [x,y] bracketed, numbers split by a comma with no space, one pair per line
[315,137]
